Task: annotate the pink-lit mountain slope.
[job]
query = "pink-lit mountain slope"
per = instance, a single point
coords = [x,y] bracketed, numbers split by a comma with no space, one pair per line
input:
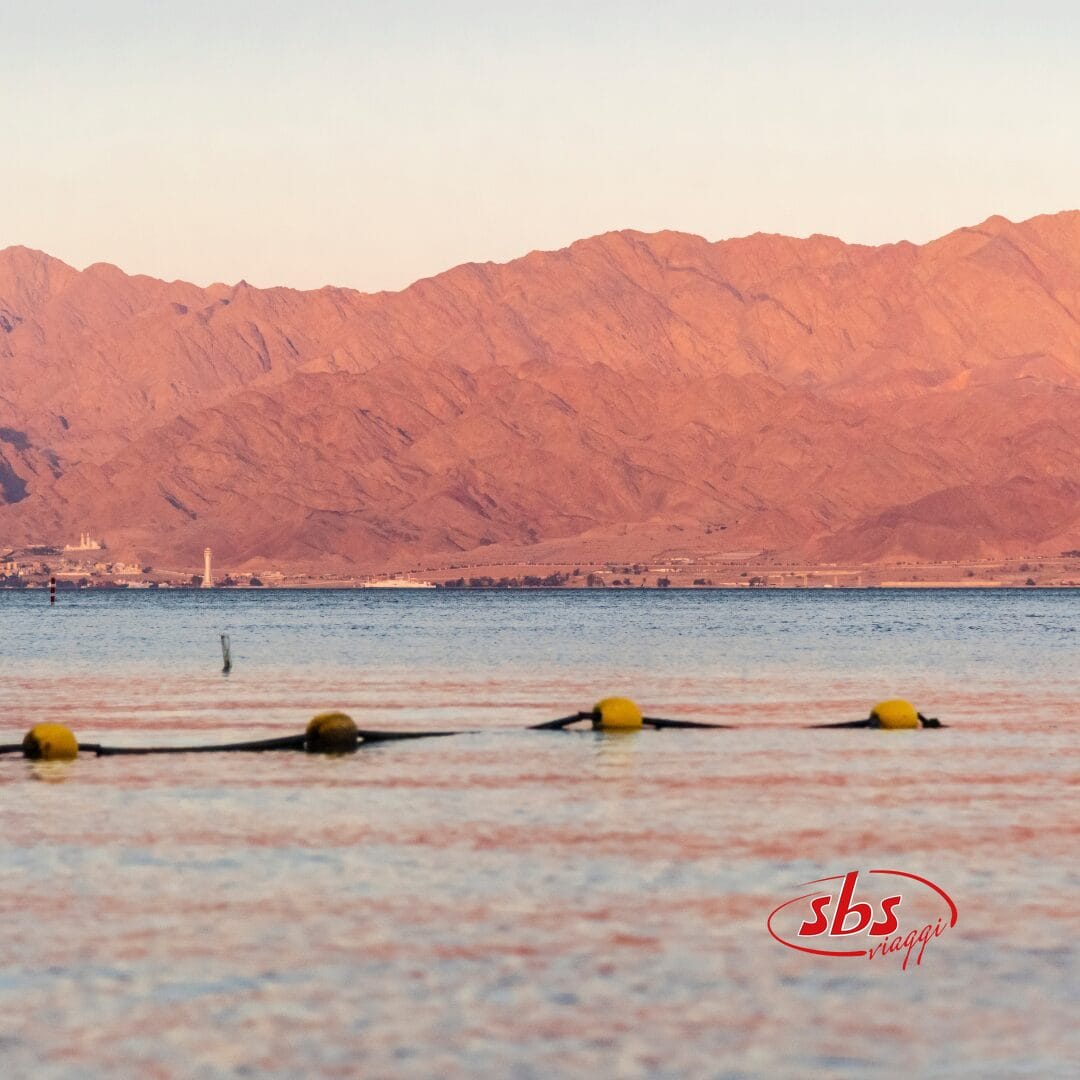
[830,401]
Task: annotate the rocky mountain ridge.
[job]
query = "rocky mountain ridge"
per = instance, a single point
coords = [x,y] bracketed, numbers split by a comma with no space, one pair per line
[822,400]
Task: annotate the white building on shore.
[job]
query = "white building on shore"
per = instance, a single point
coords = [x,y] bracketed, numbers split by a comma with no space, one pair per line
[86,543]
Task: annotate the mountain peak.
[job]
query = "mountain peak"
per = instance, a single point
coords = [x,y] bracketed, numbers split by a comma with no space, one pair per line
[29,277]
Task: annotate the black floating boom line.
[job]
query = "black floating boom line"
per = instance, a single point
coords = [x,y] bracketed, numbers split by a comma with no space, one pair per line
[652,721]
[656,722]
[281,742]
[871,722]
[562,722]
[284,742]
[388,736]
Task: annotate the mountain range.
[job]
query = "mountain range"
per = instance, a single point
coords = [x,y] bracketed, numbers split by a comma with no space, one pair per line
[650,392]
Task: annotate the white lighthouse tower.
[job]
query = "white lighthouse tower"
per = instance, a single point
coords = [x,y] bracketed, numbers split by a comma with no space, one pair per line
[207,579]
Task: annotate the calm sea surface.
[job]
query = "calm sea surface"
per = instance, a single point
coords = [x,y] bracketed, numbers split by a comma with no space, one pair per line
[528,904]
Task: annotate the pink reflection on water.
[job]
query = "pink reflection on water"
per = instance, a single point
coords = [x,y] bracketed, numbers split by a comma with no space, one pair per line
[583,903]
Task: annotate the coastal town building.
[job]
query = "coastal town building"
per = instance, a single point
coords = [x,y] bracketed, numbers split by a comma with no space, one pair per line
[86,543]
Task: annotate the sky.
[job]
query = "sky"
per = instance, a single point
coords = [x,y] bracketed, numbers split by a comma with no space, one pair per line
[371,144]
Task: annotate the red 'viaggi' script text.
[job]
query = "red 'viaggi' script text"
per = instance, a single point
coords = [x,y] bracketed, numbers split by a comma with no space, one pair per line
[835,923]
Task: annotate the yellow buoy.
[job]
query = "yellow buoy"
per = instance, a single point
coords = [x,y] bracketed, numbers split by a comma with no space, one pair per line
[50,742]
[331,733]
[616,713]
[895,714]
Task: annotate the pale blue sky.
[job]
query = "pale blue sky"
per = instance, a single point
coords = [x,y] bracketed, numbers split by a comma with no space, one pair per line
[369,144]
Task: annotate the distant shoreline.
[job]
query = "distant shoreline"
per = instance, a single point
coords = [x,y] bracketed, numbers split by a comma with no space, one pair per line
[763,571]
[311,586]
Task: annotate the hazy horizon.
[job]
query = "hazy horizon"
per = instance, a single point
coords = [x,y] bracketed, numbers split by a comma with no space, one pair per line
[373,145]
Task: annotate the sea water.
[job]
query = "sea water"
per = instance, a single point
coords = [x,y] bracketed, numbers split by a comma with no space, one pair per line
[532,904]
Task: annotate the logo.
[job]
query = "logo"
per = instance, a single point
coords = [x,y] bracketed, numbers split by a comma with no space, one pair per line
[897,915]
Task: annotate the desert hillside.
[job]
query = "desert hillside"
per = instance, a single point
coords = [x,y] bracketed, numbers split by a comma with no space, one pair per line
[818,399]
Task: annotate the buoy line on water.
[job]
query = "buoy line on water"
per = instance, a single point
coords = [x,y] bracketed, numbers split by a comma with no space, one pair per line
[618,714]
[893,715]
[336,733]
[327,733]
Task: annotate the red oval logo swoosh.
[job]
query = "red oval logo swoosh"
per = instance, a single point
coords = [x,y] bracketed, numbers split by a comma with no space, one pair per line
[836,877]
